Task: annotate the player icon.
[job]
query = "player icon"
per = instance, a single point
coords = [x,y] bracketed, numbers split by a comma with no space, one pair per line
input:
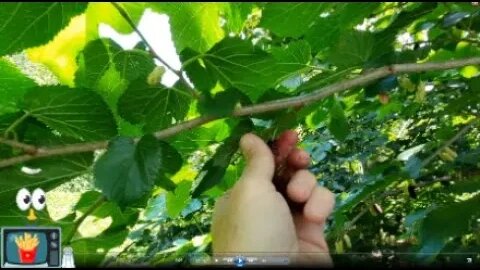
[239,261]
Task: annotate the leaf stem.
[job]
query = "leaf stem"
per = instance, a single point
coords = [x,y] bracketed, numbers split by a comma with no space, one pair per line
[76,225]
[15,124]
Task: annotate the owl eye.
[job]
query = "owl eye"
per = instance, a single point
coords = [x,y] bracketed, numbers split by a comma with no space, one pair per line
[24,199]
[38,199]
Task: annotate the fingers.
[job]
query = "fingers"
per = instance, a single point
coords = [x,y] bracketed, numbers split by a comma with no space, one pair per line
[298,159]
[259,159]
[301,186]
[283,145]
[319,205]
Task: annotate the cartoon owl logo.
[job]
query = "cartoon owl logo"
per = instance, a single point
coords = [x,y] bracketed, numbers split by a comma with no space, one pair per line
[30,202]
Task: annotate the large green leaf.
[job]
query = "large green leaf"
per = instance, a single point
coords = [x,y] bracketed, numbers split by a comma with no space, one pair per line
[444,222]
[200,137]
[91,251]
[173,164]
[25,25]
[94,62]
[202,78]
[239,64]
[102,209]
[13,85]
[177,200]
[106,13]
[324,34]
[45,174]
[222,103]
[213,171]
[127,171]
[193,25]
[291,19]
[78,113]
[338,124]
[236,14]
[354,48]
[383,40]
[133,64]
[41,173]
[374,184]
[156,106]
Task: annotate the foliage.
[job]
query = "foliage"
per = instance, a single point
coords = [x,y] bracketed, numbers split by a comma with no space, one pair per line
[401,152]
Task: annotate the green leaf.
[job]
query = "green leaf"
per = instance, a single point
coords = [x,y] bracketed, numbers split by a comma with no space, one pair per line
[362,192]
[239,64]
[200,137]
[13,85]
[173,163]
[178,199]
[91,251]
[291,59]
[106,209]
[353,49]
[78,113]
[193,25]
[94,62]
[324,34]
[127,171]
[470,157]
[291,19]
[202,78]
[23,25]
[467,186]
[44,173]
[221,104]
[383,41]
[444,222]
[213,171]
[133,64]
[106,13]
[338,124]
[236,14]
[156,106]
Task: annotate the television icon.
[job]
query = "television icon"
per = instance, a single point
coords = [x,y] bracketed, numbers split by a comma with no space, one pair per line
[31,247]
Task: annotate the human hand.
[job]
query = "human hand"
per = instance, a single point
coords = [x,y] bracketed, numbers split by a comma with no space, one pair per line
[276,207]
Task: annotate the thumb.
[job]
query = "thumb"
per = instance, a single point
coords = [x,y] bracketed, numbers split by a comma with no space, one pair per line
[260,163]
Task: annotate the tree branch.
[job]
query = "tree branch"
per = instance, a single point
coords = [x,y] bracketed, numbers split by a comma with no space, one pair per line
[259,108]
[15,144]
[127,18]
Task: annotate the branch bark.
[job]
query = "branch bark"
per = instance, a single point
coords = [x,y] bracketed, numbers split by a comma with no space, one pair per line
[23,146]
[270,106]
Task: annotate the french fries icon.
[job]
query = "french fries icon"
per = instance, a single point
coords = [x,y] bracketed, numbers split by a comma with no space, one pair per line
[27,247]
[27,242]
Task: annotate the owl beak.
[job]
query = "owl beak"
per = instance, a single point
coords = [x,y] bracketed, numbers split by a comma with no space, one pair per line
[31,215]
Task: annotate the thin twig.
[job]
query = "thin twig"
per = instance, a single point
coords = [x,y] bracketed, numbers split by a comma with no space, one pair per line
[270,106]
[457,136]
[127,18]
